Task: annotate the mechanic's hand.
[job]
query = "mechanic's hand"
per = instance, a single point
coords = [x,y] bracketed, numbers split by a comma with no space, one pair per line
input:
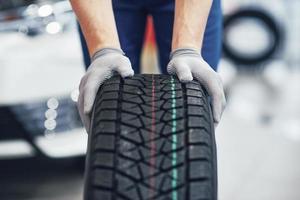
[187,63]
[104,63]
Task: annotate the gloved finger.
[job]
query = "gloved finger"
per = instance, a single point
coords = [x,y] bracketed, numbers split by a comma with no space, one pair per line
[91,88]
[183,71]
[171,69]
[82,82]
[87,122]
[213,84]
[216,125]
[124,68]
[126,72]
[85,119]
[218,99]
[222,102]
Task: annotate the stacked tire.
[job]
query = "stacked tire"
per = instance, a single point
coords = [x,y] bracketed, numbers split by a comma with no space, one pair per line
[269,25]
[151,137]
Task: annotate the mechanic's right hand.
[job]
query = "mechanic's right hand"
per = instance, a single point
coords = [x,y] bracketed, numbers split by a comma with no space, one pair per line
[104,63]
[188,63]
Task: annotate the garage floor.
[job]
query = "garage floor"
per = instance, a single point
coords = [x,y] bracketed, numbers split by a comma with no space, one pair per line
[41,180]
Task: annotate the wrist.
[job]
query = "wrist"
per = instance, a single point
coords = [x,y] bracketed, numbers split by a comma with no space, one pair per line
[102,45]
[185,51]
[107,50]
[178,43]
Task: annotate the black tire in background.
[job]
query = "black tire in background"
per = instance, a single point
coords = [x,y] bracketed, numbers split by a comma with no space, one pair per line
[270,26]
[151,137]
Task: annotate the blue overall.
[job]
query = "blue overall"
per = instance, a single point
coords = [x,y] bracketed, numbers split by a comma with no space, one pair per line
[131,16]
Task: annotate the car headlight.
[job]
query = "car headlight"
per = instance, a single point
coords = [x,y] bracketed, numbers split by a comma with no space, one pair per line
[45,10]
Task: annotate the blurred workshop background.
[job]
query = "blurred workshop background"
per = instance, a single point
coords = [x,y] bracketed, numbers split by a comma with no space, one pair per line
[42,142]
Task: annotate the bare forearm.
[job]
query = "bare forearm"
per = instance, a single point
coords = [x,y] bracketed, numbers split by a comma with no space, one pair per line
[97,21]
[190,22]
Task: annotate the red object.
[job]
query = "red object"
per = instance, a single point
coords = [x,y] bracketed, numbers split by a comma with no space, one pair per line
[150,33]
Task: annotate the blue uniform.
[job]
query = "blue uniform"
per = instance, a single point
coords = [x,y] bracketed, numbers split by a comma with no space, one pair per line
[131,16]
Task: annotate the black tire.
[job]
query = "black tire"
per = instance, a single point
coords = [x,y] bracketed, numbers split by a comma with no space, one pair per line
[151,137]
[270,26]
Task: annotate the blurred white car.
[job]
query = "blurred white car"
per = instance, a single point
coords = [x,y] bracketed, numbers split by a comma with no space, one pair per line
[39,77]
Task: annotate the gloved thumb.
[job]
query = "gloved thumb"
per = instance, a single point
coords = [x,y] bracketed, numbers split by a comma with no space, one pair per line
[125,69]
[182,71]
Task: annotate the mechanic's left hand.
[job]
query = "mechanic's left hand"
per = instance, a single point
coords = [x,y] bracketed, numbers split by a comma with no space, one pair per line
[105,62]
[187,63]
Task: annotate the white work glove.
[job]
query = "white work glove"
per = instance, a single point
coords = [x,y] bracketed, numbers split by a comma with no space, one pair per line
[105,62]
[187,63]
